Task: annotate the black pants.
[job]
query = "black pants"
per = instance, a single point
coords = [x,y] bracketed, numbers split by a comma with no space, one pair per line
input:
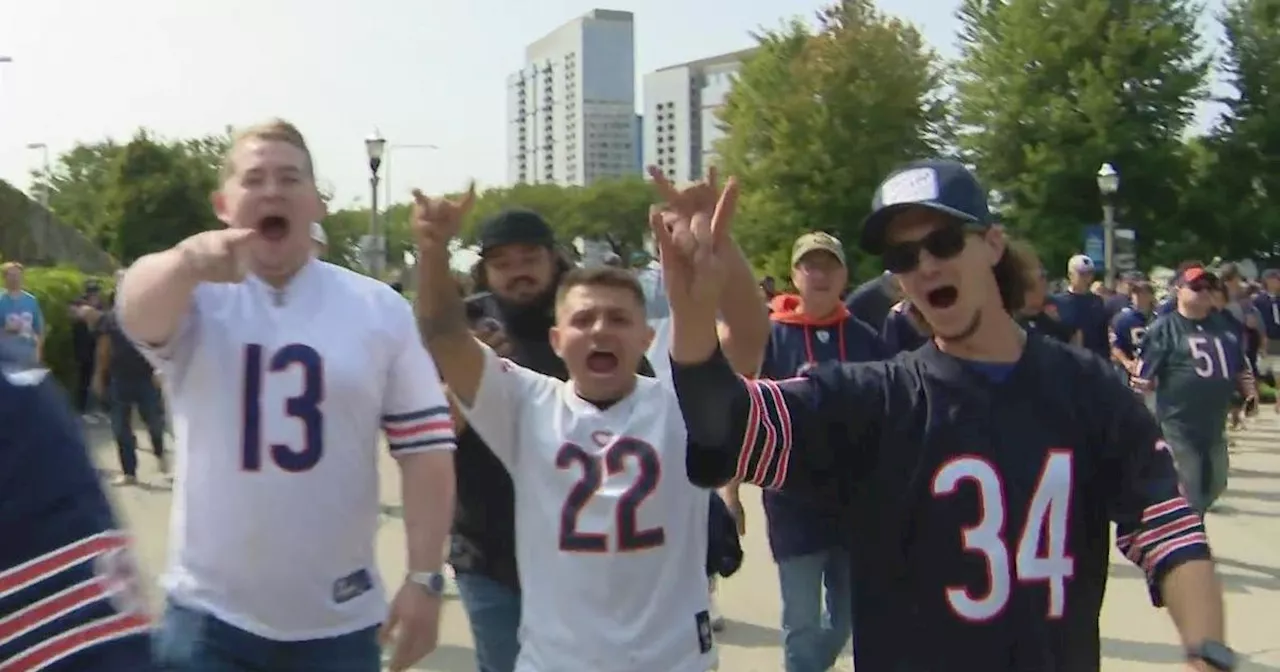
[84,383]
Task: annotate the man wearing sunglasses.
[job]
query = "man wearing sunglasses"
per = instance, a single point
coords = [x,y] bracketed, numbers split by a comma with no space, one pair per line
[981,472]
[1195,361]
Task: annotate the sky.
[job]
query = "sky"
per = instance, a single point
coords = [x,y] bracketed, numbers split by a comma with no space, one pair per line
[419,71]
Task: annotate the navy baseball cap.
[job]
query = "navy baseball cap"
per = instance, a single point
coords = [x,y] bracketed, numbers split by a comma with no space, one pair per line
[937,184]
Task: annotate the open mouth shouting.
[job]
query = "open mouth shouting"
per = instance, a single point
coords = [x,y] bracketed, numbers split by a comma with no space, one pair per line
[273,228]
[942,297]
[602,363]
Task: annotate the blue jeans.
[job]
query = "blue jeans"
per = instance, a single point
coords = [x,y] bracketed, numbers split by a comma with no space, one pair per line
[493,609]
[193,641]
[812,638]
[124,397]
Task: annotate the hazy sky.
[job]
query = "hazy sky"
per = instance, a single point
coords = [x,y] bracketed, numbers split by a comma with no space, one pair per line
[422,71]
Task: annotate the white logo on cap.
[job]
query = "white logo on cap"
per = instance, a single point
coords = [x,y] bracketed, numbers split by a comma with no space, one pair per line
[910,186]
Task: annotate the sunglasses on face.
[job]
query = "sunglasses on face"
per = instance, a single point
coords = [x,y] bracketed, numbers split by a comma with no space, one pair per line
[1201,285]
[943,243]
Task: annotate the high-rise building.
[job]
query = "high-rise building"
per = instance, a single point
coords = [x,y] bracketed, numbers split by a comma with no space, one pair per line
[680,103]
[571,110]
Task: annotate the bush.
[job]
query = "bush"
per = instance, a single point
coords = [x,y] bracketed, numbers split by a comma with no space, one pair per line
[56,288]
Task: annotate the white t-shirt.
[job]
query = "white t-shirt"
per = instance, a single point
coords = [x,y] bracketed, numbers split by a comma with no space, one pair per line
[278,398]
[611,537]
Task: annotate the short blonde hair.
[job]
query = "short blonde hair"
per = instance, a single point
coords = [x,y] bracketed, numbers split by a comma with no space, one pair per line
[10,266]
[272,130]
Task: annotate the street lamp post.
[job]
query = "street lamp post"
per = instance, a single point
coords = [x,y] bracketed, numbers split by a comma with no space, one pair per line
[375,145]
[1108,185]
[386,163]
[45,216]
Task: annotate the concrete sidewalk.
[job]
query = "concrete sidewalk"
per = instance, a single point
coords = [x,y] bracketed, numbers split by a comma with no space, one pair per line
[1245,531]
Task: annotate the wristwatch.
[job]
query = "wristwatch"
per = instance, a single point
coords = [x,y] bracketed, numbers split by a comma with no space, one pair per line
[1217,655]
[431,582]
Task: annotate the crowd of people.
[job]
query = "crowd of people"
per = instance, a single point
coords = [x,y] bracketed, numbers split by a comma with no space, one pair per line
[583,461]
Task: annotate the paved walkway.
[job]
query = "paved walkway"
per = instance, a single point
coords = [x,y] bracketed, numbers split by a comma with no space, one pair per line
[1136,637]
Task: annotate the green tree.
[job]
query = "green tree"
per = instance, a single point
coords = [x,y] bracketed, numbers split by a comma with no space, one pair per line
[817,118]
[158,194]
[78,184]
[1244,169]
[81,182]
[1048,91]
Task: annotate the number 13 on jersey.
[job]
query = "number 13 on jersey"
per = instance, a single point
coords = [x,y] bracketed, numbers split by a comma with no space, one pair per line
[303,407]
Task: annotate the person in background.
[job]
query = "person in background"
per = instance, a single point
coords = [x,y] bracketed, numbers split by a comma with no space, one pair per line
[1034,316]
[809,329]
[1081,309]
[612,260]
[127,381]
[871,301]
[905,329]
[319,240]
[20,315]
[1130,325]
[769,288]
[1119,299]
[1101,289]
[1194,361]
[85,312]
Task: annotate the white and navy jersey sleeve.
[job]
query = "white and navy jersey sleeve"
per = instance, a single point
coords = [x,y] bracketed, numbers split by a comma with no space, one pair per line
[415,413]
[496,411]
[70,593]
[797,434]
[1156,528]
[171,358]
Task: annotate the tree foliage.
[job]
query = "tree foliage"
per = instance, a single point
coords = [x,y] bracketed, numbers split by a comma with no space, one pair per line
[818,117]
[137,197]
[614,211]
[1240,170]
[1048,91]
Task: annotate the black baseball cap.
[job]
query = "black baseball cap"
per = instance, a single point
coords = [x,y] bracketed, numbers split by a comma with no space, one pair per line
[942,185]
[515,227]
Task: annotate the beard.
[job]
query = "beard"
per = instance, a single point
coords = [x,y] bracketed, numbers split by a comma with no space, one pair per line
[963,334]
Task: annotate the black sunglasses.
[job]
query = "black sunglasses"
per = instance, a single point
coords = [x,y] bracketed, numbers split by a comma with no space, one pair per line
[943,243]
[1201,285]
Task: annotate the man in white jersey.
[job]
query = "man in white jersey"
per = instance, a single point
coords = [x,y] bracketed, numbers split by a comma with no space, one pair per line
[611,537]
[281,370]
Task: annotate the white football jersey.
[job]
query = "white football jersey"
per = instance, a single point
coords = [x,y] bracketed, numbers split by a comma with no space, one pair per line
[277,400]
[611,537]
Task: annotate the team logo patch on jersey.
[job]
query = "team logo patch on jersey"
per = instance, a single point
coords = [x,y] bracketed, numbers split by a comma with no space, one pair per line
[824,337]
[352,586]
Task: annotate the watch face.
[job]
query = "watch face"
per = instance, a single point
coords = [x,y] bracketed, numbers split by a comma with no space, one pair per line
[436,583]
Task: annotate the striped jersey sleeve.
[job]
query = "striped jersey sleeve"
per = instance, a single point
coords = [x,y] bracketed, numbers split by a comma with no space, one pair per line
[1156,527]
[765,451]
[79,604]
[428,429]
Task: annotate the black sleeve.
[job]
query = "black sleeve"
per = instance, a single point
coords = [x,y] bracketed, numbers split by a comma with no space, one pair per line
[645,368]
[798,434]
[1156,528]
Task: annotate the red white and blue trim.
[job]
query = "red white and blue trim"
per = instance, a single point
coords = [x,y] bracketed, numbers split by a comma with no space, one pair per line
[1167,529]
[428,429]
[72,599]
[765,454]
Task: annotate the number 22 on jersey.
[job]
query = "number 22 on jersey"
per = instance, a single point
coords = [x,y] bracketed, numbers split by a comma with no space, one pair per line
[303,407]
[1041,554]
[594,468]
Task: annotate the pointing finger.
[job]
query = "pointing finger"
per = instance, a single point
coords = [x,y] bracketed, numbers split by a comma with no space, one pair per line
[666,190]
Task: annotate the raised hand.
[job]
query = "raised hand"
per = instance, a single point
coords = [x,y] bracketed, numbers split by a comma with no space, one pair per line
[218,255]
[436,221]
[691,229]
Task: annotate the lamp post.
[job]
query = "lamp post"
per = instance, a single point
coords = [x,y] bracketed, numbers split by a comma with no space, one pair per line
[375,145]
[391,149]
[45,216]
[1108,185]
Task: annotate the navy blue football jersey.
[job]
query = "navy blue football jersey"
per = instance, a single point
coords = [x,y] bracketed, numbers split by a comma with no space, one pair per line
[69,590]
[982,496]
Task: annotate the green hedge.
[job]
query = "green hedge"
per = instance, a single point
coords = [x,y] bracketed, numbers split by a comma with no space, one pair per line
[56,288]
